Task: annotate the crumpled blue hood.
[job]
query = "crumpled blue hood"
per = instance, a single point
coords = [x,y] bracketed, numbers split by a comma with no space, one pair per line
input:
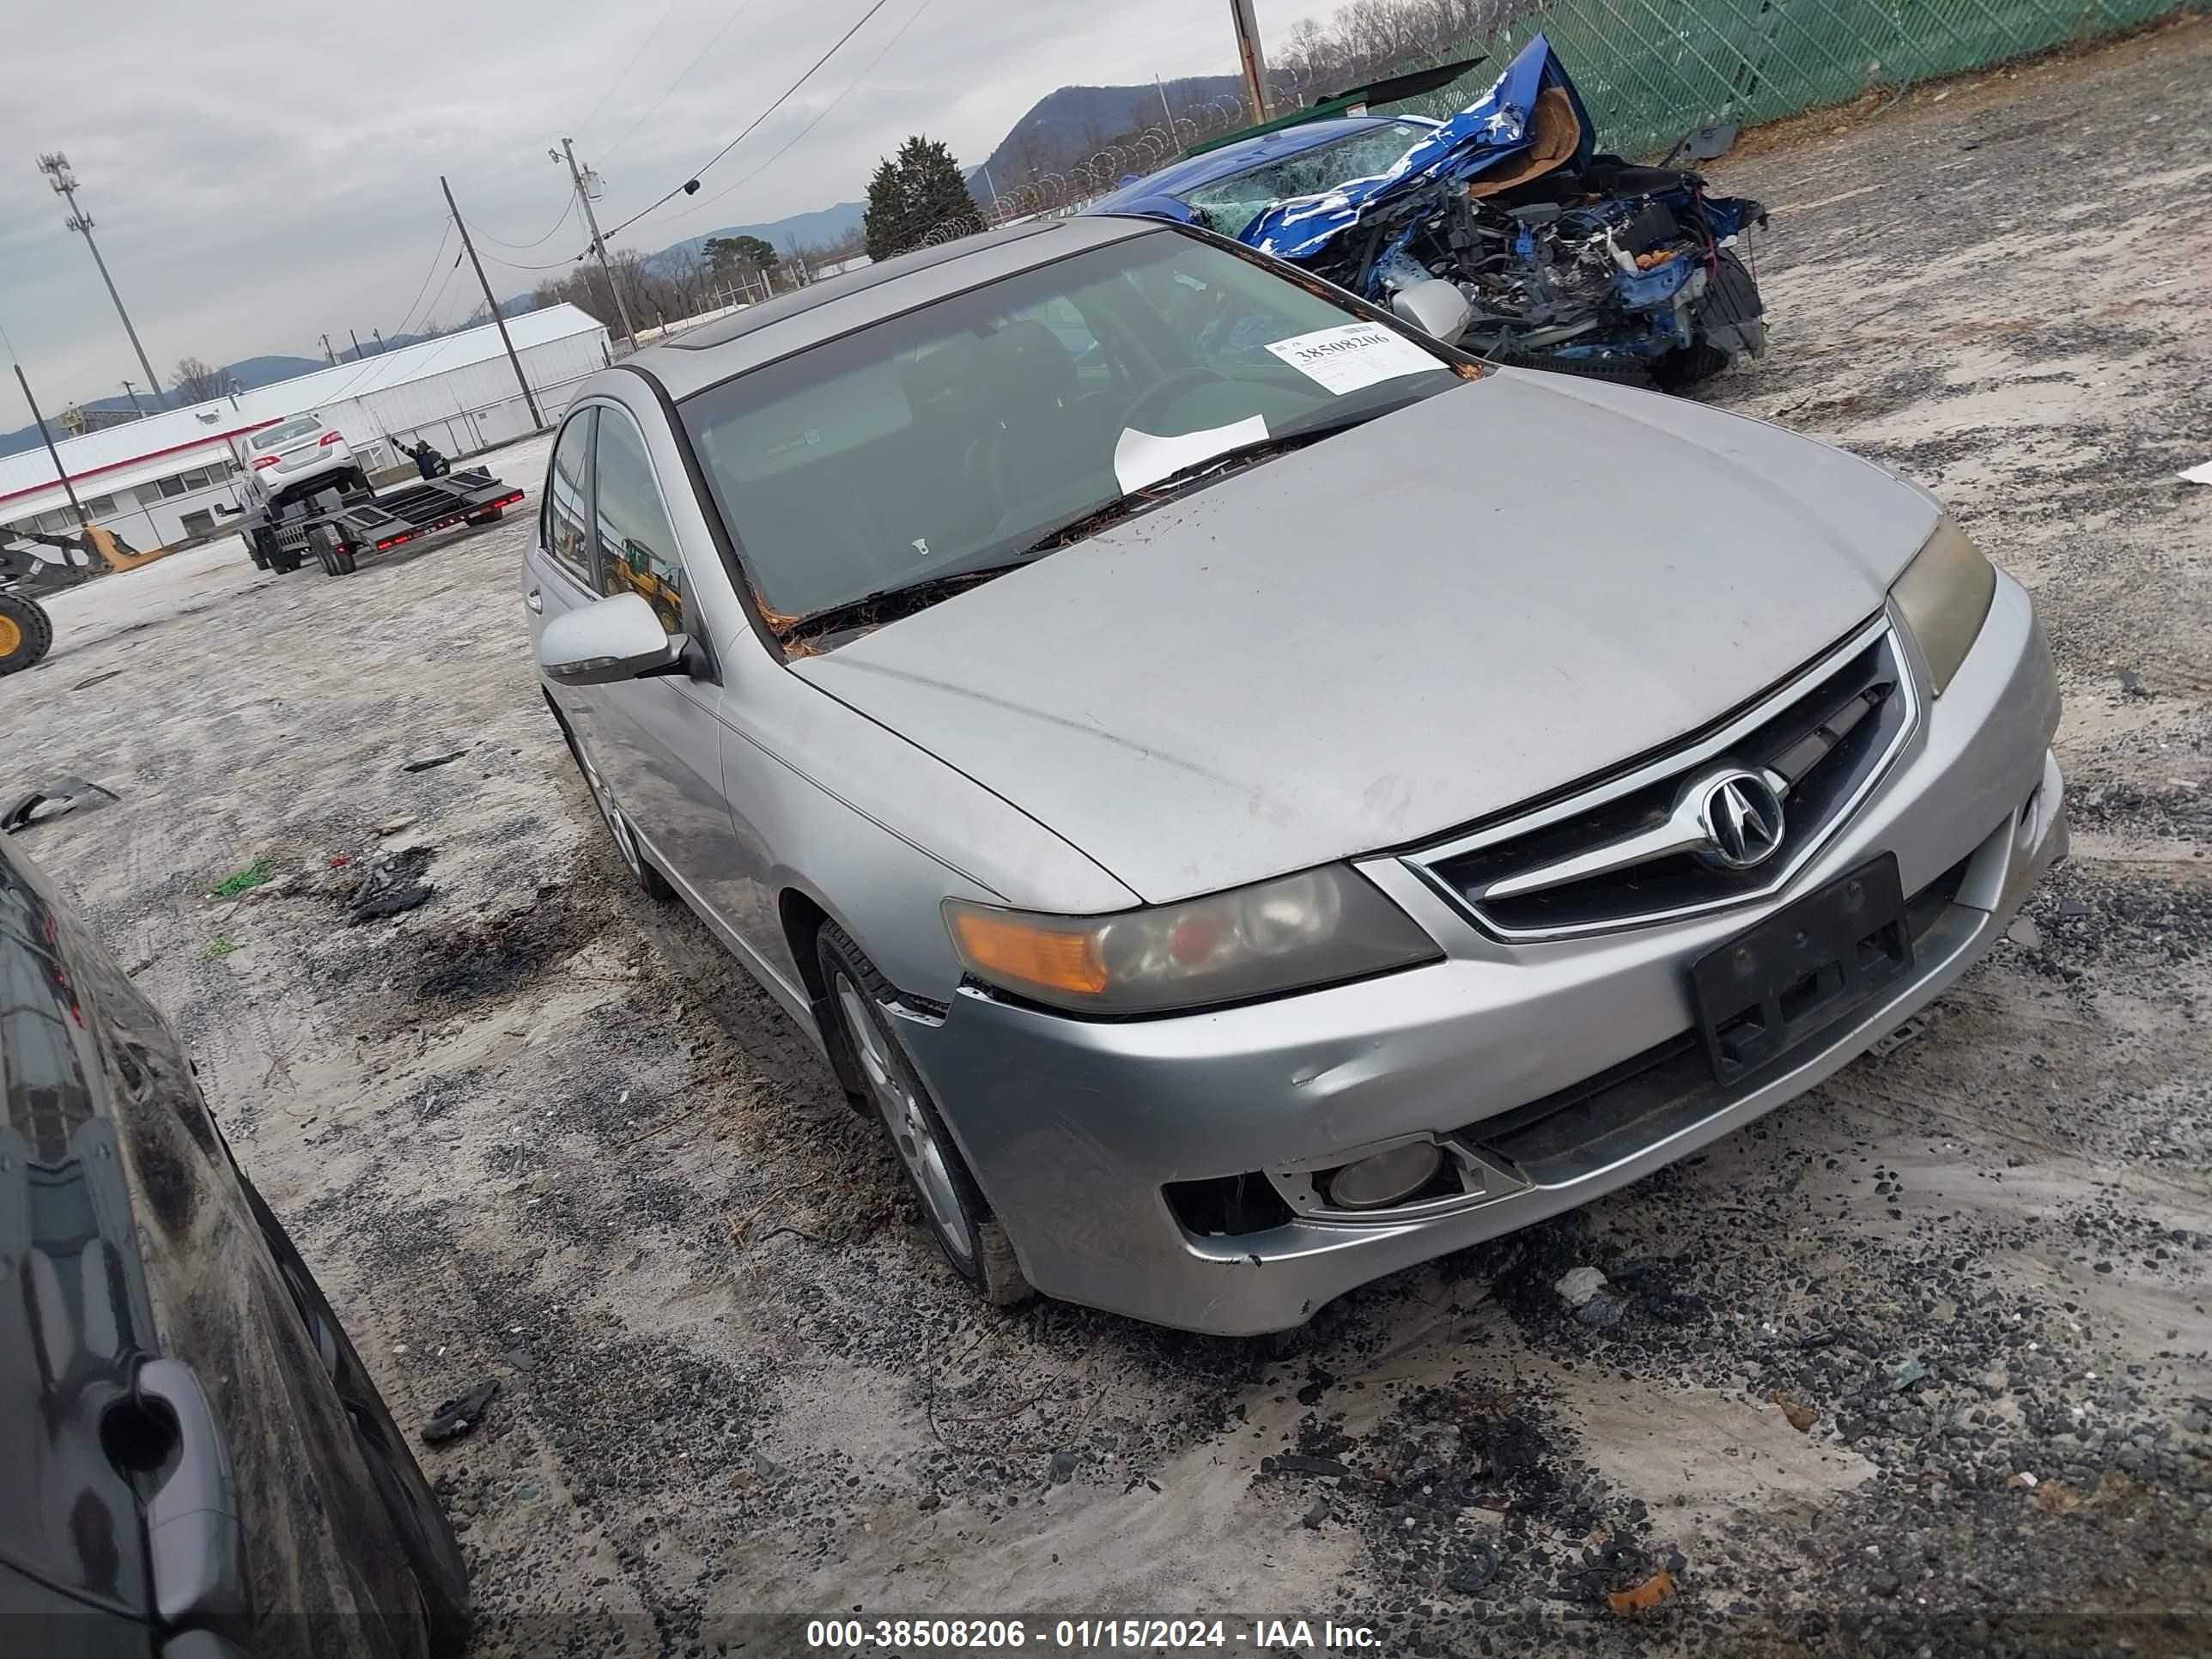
[1488,130]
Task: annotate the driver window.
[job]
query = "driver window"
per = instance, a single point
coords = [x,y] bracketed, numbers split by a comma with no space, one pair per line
[636,542]
[566,481]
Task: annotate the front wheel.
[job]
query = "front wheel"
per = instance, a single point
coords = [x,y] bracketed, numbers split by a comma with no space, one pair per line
[26,633]
[973,1244]
[655,885]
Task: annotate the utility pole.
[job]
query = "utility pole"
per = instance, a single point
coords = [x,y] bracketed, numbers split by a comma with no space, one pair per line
[1164,109]
[56,167]
[132,392]
[357,345]
[60,472]
[576,173]
[537,421]
[329,355]
[1248,49]
[380,347]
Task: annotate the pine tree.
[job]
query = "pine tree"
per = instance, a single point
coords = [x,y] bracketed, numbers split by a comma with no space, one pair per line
[887,216]
[915,194]
[941,199]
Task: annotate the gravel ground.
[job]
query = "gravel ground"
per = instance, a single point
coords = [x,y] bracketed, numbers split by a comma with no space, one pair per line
[1917,1365]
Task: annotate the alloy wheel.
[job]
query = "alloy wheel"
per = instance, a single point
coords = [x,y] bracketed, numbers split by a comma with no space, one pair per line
[603,797]
[904,1116]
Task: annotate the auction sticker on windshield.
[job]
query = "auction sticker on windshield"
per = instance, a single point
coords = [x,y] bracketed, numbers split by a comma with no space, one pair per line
[1354,355]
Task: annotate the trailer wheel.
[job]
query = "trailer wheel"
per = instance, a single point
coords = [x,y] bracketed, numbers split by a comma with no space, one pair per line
[346,560]
[283,561]
[27,634]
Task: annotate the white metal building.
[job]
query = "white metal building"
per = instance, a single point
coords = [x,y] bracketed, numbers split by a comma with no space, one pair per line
[158,481]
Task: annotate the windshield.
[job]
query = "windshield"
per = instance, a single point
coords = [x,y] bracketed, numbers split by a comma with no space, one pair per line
[1230,204]
[955,436]
[286,433]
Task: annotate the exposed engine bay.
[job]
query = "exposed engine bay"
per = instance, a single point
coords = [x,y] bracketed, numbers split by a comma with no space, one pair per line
[1570,257]
[1607,265]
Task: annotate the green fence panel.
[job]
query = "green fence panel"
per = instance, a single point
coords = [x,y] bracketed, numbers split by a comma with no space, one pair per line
[1652,69]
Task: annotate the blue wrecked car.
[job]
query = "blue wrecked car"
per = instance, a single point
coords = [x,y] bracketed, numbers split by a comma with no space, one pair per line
[1571,258]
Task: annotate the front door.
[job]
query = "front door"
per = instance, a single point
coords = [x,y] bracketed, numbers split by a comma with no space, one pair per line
[656,740]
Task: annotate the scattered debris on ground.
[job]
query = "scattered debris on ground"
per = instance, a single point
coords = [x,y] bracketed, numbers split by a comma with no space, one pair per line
[62,796]
[456,1417]
[394,886]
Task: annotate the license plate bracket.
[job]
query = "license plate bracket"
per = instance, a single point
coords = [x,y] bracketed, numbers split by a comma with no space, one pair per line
[1780,985]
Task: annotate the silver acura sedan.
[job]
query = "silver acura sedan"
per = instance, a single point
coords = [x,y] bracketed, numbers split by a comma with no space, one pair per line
[1251,796]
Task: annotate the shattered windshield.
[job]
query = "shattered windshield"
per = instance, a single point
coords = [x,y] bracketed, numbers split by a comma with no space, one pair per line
[1233,204]
[952,438]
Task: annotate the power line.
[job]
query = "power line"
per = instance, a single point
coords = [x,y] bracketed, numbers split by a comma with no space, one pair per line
[825,111]
[444,231]
[626,68]
[697,58]
[568,208]
[781,99]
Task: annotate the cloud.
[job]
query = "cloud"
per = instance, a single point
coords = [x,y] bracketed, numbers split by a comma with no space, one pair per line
[259,174]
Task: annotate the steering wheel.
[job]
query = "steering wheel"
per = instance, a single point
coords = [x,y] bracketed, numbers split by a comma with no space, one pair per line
[1164,392]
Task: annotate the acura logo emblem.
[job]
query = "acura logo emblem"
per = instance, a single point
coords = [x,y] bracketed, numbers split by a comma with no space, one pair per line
[1741,816]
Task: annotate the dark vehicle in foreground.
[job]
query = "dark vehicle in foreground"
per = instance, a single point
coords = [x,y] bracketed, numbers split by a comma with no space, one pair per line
[1570,260]
[1253,798]
[194,1463]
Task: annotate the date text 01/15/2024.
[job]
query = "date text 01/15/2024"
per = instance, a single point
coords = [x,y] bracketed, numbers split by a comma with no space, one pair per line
[858,1635]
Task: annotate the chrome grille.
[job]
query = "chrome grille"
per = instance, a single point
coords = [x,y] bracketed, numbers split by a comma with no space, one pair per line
[1634,849]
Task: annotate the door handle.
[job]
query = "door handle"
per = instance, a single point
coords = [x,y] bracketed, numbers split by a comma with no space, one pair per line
[536,601]
[193,1539]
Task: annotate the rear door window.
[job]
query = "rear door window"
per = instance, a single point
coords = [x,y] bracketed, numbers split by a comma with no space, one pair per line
[637,543]
[566,528]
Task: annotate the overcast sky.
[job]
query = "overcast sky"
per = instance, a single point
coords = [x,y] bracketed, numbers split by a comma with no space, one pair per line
[259,173]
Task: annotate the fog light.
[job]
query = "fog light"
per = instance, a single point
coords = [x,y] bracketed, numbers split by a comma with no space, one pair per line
[1386,1178]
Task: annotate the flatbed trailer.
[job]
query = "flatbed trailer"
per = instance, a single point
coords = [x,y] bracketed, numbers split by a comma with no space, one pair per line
[339,530]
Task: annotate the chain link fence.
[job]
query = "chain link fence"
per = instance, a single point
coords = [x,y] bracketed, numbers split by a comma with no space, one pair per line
[1651,71]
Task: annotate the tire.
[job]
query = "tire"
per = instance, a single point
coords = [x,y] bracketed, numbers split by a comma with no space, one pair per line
[284,562]
[655,885]
[26,633]
[346,560]
[323,558]
[1688,366]
[260,559]
[426,1536]
[974,1244]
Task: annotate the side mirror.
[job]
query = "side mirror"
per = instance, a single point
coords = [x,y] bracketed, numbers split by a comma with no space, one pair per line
[1435,306]
[607,641]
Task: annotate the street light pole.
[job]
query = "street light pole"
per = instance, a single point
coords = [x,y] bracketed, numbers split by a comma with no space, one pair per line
[599,242]
[56,167]
[132,392]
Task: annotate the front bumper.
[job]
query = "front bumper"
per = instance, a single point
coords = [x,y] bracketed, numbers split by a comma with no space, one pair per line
[1074,1128]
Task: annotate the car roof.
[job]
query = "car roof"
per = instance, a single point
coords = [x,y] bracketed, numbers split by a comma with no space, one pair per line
[1196,172]
[793,322]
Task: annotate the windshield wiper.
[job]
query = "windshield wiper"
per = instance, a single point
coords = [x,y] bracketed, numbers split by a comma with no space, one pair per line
[1093,520]
[889,603]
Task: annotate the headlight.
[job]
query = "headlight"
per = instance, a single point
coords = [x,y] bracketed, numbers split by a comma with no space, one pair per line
[1315,929]
[1945,595]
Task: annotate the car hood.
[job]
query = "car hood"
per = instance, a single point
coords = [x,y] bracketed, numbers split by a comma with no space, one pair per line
[1496,126]
[1401,629]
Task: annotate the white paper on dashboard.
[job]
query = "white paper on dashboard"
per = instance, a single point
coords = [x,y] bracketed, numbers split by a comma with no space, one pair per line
[1145,457]
[1357,355]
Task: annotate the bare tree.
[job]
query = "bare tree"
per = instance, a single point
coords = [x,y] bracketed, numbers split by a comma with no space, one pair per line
[197,382]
